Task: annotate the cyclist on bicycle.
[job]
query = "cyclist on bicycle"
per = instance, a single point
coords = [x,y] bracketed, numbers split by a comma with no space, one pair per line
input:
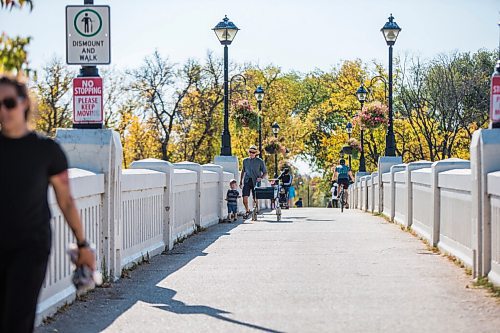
[343,176]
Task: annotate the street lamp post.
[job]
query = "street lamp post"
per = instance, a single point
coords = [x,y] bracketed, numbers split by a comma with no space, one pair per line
[348,129]
[259,96]
[390,31]
[276,129]
[225,32]
[361,94]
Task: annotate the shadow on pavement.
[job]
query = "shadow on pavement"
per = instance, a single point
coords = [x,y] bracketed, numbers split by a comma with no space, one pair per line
[179,307]
[100,308]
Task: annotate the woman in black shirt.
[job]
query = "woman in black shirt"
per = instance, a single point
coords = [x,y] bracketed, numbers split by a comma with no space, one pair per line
[28,164]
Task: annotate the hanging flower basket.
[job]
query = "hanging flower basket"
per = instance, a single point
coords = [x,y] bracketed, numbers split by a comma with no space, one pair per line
[347,149]
[373,115]
[355,147]
[244,114]
[273,146]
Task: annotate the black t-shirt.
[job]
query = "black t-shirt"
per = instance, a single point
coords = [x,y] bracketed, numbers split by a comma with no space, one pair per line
[26,164]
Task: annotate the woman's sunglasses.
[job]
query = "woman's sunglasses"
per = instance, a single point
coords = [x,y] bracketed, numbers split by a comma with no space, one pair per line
[10,103]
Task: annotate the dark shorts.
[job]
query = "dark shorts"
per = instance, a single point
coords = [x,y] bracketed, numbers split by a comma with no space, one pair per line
[345,182]
[247,188]
[232,208]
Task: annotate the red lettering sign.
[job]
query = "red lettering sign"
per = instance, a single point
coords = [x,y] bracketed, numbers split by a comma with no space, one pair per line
[87,100]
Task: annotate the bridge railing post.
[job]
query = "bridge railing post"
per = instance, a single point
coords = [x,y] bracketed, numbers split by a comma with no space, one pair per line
[384,166]
[100,151]
[485,158]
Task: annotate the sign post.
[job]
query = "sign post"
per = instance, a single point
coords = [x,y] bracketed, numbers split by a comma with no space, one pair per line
[88,45]
[87,100]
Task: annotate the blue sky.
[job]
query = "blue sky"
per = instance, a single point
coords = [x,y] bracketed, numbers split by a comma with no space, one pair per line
[296,35]
[299,35]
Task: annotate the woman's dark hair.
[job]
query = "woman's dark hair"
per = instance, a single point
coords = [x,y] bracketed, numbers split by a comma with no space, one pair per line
[21,91]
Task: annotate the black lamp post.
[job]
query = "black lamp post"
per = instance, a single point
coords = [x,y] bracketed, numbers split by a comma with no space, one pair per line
[348,129]
[390,31]
[361,94]
[259,96]
[225,32]
[276,129]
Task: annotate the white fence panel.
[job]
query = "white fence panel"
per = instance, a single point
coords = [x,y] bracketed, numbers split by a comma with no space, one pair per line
[494,196]
[422,200]
[455,214]
[210,198]
[368,181]
[370,195]
[376,194]
[142,214]
[386,180]
[359,194]
[87,190]
[184,203]
[400,196]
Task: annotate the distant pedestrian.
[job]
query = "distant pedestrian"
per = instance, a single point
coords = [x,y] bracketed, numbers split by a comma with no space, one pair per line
[291,196]
[335,196]
[29,163]
[299,203]
[232,196]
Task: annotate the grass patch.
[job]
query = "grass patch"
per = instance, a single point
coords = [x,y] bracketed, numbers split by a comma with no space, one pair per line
[481,282]
[126,271]
[199,229]
[50,319]
[484,283]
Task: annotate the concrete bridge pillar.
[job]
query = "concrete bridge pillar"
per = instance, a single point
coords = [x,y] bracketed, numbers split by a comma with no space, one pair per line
[485,158]
[100,151]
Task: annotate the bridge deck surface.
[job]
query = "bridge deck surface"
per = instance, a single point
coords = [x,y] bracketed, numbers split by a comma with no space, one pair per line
[315,271]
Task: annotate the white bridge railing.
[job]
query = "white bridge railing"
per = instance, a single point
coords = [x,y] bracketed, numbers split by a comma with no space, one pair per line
[131,214]
[454,204]
[87,190]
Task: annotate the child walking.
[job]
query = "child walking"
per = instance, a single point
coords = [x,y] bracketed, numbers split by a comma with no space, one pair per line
[232,200]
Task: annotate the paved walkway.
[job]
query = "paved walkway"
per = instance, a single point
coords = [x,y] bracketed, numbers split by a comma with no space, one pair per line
[315,271]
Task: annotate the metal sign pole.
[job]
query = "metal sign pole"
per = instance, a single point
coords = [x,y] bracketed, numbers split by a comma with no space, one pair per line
[89,71]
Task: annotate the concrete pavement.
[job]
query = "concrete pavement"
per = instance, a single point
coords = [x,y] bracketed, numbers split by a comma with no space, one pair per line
[315,271]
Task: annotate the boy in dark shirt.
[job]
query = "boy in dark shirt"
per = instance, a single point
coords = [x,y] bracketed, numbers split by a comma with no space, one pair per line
[232,200]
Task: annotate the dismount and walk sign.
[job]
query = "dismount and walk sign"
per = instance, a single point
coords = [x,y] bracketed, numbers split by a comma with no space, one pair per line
[87,35]
[87,100]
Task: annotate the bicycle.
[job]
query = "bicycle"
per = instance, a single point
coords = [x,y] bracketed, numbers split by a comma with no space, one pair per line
[342,198]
